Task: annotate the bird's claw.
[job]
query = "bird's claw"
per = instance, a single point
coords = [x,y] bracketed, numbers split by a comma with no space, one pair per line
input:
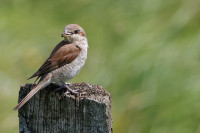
[64,90]
[69,90]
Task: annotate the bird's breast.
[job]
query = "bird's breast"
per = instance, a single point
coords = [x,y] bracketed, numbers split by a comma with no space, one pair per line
[68,71]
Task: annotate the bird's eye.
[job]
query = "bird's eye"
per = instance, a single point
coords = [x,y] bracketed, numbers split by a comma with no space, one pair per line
[76,31]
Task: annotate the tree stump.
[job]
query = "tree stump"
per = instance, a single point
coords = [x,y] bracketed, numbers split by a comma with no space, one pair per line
[46,112]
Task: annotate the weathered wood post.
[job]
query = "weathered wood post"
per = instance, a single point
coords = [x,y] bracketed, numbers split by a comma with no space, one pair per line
[90,112]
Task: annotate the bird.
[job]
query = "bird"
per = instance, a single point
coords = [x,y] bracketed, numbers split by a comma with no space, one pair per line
[65,61]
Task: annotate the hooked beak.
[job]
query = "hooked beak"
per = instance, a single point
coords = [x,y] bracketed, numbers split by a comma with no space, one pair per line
[66,33]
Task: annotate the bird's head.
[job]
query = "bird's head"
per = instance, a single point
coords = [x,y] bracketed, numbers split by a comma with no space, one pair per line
[73,32]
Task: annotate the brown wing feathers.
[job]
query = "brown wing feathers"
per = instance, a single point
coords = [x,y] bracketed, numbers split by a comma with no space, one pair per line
[60,56]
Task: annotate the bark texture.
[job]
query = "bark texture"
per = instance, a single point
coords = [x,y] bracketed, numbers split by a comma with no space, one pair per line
[46,112]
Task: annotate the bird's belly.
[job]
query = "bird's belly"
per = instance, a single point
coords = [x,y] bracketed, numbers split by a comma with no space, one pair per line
[68,71]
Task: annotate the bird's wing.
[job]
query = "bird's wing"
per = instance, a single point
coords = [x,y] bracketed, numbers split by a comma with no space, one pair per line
[63,55]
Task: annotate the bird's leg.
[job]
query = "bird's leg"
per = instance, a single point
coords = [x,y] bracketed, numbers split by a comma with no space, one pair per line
[62,89]
[58,88]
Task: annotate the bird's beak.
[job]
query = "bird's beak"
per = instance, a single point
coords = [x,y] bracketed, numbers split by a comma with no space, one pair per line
[66,33]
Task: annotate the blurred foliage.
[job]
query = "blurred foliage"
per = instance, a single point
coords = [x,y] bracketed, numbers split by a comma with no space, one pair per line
[145,53]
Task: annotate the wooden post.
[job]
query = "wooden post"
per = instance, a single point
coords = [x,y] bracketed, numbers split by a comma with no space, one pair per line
[89,112]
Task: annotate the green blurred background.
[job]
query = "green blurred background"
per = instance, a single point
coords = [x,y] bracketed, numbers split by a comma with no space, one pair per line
[146,53]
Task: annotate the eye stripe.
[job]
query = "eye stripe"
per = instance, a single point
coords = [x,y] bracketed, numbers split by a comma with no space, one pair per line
[76,31]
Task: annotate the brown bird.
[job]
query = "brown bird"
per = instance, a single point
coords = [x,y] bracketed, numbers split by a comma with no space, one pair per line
[64,62]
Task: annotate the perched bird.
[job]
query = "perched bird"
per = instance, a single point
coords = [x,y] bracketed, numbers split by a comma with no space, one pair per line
[65,61]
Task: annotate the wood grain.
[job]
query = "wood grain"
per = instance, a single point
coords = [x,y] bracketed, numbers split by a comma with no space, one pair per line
[89,112]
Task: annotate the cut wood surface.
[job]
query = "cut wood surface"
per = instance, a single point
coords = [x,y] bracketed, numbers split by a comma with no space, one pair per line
[47,112]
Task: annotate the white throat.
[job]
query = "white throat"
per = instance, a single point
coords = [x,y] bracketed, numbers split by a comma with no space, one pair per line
[80,41]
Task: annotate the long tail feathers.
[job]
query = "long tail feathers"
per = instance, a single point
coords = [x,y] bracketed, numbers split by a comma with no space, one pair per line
[42,83]
[28,96]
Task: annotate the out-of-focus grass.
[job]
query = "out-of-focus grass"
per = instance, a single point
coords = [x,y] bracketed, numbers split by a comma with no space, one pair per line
[146,53]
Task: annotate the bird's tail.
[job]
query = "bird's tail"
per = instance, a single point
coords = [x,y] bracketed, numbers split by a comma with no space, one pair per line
[43,83]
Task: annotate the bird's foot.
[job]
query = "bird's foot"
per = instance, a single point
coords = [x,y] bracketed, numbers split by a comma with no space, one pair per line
[70,90]
[64,89]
